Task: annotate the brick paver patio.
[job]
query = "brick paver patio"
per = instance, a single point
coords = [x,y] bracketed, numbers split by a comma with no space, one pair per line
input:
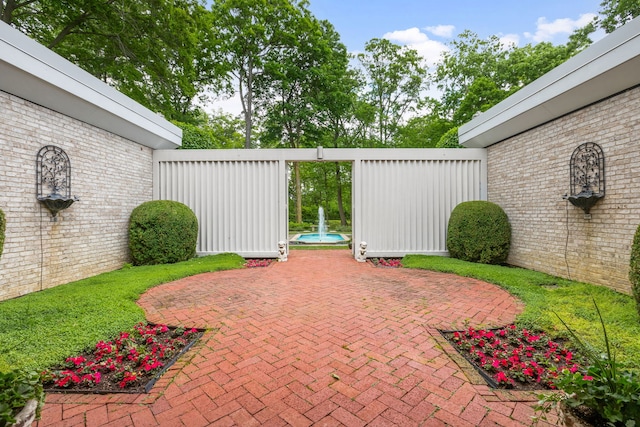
[319,340]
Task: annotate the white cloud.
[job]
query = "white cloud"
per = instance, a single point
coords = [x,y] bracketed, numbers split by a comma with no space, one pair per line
[508,40]
[415,39]
[441,30]
[546,31]
[409,36]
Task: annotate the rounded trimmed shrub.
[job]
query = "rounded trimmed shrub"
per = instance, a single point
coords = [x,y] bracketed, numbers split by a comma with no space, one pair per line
[479,231]
[3,224]
[449,139]
[162,232]
[634,268]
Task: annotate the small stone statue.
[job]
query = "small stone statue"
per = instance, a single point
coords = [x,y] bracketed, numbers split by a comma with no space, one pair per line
[361,255]
[282,251]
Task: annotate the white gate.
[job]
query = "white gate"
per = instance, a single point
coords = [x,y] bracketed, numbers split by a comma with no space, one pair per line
[402,198]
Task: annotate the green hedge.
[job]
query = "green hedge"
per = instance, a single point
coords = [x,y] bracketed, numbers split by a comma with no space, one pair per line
[299,226]
[3,223]
[449,139]
[479,231]
[634,270]
[162,232]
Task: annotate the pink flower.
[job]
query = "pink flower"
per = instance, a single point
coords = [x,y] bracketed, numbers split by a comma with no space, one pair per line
[77,361]
[587,378]
[502,378]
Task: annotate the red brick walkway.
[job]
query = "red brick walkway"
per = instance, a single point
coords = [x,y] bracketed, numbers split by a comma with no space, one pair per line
[319,340]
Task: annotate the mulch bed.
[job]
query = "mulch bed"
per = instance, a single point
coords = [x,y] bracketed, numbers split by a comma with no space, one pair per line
[257,263]
[512,357]
[387,262]
[131,363]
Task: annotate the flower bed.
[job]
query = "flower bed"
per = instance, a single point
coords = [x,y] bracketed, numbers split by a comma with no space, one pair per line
[131,363]
[387,262]
[513,357]
[253,263]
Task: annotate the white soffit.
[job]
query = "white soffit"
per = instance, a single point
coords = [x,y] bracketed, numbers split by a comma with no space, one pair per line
[33,72]
[605,68]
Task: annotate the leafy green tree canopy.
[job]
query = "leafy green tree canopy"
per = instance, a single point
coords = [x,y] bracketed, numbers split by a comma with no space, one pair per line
[476,73]
[249,31]
[218,131]
[395,77]
[161,53]
[617,12]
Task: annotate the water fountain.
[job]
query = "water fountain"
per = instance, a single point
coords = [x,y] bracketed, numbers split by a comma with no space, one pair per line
[321,237]
[322,225]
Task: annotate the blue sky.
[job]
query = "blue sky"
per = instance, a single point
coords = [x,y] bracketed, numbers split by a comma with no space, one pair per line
[429,25]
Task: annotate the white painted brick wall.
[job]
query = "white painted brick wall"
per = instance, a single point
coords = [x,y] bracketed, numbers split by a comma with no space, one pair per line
[110,175]
[529,173]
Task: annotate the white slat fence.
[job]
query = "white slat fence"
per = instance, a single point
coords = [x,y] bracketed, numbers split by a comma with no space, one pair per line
[402,198]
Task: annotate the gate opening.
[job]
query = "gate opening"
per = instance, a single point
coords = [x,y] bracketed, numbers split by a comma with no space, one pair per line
[319,204]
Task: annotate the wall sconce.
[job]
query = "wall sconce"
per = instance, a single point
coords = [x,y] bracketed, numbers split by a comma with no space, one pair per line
[586,170]
[53,180]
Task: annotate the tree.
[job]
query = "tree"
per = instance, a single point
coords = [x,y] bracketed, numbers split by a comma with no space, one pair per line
[450,139]
[422,131]
[249,31]
[395,77]
[481,95]
[297,79]
[216,131]
[476,74]
[336,112]
[616,13]
[469,58]
[321,189]
[157,52]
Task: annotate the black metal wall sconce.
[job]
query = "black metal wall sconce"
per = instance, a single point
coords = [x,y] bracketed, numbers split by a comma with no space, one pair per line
[53,180]
[586,170]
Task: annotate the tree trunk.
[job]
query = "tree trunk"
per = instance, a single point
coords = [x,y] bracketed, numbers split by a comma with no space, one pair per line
[6,11]
[343,218]
[296,172]
[248,107]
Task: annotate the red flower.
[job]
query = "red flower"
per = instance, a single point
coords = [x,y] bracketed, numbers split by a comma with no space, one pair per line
[503,379]
[79,360]
[129,377]
[515,359]
[122,357]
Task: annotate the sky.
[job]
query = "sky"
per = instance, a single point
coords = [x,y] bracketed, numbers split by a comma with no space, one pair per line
[428,26]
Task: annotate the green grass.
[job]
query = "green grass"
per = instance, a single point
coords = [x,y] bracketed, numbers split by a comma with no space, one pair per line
[545,295]
[43,328]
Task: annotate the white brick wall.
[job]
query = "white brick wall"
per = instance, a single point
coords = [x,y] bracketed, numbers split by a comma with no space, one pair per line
[529,174]
[110,175]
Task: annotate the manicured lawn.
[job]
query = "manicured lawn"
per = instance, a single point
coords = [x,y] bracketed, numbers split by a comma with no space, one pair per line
[545,295]
[41,329]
